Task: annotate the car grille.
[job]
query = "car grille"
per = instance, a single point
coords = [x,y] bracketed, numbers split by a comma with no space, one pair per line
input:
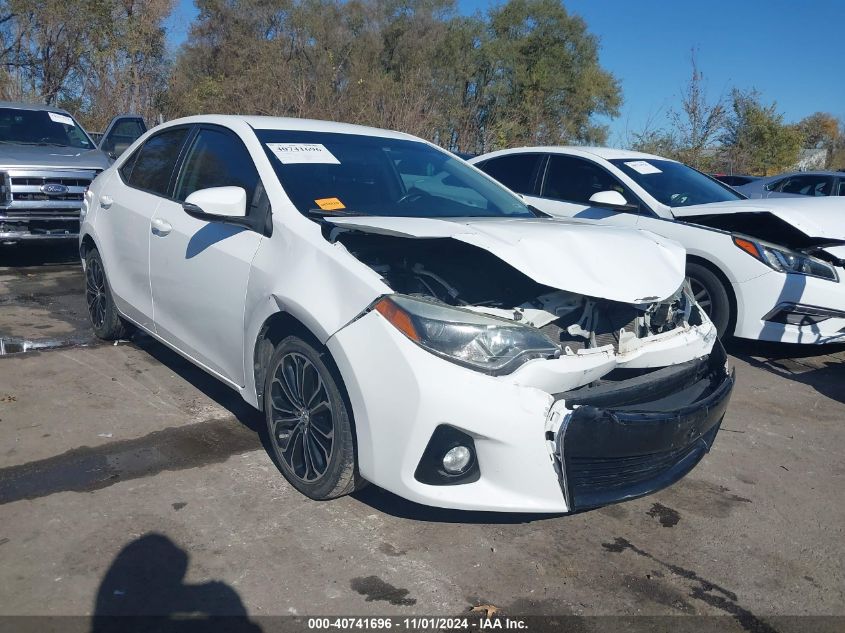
[604,475]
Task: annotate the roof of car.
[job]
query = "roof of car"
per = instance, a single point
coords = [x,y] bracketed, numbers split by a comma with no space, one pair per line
[30,106]
[804,173]
[607,153]
[287,123]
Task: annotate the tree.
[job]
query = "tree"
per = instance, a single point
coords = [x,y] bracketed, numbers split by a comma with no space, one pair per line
[756,139]
[821,130]
[693,129]
[698,123]
[527,72]
[96,57]
[545,81]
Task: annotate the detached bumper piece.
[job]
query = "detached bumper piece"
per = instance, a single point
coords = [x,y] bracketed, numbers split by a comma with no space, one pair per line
[627,439]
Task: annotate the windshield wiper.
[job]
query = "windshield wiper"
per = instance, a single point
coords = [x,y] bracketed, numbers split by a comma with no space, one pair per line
[323,213]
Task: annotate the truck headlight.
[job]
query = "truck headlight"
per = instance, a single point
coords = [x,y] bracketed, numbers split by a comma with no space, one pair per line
[479,341]
[785,261]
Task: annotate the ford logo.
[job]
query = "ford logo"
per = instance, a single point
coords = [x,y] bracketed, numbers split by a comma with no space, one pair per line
[53,189]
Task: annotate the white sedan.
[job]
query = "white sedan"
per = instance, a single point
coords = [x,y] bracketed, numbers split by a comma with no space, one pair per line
[403,319]
[762,269]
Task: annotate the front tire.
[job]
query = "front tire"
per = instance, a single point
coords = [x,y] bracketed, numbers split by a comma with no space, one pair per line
[308,421]
[105,320]
[712,296]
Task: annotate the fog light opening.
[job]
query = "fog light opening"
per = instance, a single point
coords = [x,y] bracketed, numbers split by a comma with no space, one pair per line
[457,459]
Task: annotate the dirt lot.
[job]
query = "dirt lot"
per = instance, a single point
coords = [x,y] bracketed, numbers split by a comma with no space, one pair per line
[130,482]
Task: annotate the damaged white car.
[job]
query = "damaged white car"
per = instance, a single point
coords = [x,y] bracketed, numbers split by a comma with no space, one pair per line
[761,269]
[402,319]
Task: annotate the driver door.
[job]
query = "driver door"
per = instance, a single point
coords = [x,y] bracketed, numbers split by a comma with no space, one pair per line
[568,184]
[122,131]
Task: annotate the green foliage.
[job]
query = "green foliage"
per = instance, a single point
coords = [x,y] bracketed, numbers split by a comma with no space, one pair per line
[756,139]
[821,130]
[97,57]
[528,72]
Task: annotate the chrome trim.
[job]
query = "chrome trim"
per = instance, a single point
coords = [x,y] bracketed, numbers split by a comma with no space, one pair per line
[21,236]
[33,217]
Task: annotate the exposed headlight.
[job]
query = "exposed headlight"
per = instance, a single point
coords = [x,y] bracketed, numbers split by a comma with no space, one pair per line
[482,342]
[787,261]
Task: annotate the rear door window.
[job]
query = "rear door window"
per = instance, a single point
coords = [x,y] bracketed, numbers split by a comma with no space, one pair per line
[151,167]
[517,172]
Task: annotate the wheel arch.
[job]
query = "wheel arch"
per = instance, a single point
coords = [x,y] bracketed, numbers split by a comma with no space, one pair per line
[716,270]
[86,245]
[276,327]
[273,330]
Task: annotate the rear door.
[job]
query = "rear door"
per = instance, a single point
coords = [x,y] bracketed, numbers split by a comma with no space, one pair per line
[122,131]
[127,204]
[199,270]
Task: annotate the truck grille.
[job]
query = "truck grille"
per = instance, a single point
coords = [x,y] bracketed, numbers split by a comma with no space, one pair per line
[24,198]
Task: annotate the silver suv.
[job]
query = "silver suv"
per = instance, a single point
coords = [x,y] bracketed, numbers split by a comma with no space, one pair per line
[46,162]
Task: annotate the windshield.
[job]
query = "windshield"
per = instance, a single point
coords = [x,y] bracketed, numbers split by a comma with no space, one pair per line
[336,174]
[40,127]
[675,184]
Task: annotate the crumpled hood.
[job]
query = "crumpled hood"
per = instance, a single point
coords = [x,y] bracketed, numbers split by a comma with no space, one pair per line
[609,262]
[815,217]
[40,156]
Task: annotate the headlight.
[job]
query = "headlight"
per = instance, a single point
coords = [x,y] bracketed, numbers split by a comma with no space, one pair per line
[482,342]
[787,261]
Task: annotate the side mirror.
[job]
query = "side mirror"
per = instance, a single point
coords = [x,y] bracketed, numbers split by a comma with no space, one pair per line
[612,200]
[226,204]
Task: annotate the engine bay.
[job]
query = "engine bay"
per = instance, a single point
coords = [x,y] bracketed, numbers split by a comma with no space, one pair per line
[469,277]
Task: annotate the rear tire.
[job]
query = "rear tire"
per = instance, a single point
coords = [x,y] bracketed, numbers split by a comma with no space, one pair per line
[712,296]
[309,422]
[105,320]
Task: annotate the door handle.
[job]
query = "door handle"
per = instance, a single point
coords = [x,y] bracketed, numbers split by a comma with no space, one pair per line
[161,227]
[106,201]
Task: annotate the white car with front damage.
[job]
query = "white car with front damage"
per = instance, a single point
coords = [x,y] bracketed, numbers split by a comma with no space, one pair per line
[761,269]
[403,319]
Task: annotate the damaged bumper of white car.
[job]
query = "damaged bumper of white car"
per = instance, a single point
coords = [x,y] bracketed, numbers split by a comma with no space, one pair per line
[489,391]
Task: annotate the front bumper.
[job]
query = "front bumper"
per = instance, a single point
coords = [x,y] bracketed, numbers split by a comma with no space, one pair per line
[18,229]
[781,307]
[615,444]
[400,394]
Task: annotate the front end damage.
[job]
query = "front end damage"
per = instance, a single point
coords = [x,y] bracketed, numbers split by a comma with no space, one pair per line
[626,400]
[621,440]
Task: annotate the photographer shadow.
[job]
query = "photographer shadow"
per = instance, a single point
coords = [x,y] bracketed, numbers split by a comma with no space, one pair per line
[144,589]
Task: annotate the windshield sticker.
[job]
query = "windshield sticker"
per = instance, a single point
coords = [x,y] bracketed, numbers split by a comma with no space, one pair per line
[642,167]
[61,118]
[330,204]
[293,153]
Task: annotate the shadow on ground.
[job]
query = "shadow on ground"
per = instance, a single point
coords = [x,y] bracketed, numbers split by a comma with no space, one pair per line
[819,366]
[17,255]
[147,579]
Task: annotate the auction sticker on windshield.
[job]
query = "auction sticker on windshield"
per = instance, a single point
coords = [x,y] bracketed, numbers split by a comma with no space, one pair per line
[60,118]
[643,167]
[312,153]
[330,204]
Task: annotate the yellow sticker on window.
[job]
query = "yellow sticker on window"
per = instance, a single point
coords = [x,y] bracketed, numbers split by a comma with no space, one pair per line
[330,204]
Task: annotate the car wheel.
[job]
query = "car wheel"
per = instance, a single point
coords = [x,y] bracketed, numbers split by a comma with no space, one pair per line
[309,422]
[711,295]
[105,319]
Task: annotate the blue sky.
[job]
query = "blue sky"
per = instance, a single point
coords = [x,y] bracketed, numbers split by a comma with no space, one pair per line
[792,52]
